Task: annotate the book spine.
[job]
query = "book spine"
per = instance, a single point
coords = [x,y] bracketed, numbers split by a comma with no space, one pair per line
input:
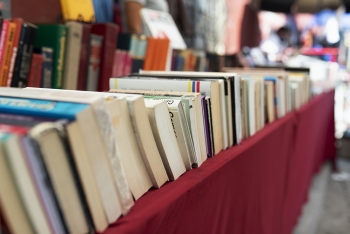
[84,58]
[72,55]
[59,64]
[35,74]
[94,63]
[46,73]
[7,54]
[19,23]
[17,67]
[104,120]
[3,37]
[108,47]
[115,64]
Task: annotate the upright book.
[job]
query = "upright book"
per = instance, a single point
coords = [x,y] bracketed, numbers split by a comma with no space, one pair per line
[72,55]
[109,32]
[24,55]
[55,37]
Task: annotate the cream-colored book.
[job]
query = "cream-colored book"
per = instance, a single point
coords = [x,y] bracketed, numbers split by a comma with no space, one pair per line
[194,118]
[88,181]
[135,169]
[158,115]
[269,101]
[47,136]
[25,185]
[72,55]
[11,205]
[144,137]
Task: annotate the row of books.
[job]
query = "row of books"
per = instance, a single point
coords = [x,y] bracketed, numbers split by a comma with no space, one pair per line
[75,161]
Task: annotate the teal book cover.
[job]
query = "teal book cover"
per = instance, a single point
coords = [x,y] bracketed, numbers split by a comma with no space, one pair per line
[40,108]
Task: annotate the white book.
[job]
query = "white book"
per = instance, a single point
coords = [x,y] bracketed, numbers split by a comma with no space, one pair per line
[193,113]
[163,133]
[208,88]
[251,104]
[181,129]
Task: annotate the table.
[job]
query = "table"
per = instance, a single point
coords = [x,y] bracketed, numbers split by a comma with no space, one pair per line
[256,187]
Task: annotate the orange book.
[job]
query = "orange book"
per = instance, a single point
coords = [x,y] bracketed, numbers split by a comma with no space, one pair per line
[19,23]
[149,54]
[4,71]
[163,54]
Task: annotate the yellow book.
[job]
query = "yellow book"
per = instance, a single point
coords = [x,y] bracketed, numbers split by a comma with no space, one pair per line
[79,10]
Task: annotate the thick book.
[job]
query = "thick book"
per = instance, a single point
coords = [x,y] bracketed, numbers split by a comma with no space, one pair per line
[72,55]
[16,44]
[37,11]
[84,115]
[207,88]
[144,137]
[180,127]
[24,55]
[35,74]
[17,163]
[55,37]
[163,133]
[109,32]
[46,72]
[135,169]
[82,10]
[94,61]
[11,205]
[50,140]
[84,57]
[7,54]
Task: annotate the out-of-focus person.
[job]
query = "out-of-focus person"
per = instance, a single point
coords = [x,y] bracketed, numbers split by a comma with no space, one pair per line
[131,17]
[276,43]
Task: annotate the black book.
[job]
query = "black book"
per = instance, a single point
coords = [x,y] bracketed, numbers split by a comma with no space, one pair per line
[24,55]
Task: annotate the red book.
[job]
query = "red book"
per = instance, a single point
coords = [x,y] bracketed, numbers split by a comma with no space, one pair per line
[19,23]
[84,57]
[35,74]
[109,32]
[3,37]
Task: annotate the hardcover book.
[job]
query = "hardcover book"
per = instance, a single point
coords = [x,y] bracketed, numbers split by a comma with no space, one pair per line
[55,37]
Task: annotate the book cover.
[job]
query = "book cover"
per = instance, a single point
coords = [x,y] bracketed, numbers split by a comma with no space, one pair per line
[24,55]
[11,205]
[78,10]
[109,32]
[6,62]
[35,74]
[19,24]
[46,72]
[84,57]
[54,36]
[94,62]
[72,55]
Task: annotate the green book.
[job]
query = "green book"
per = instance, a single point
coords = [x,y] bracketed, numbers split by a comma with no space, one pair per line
[54,36]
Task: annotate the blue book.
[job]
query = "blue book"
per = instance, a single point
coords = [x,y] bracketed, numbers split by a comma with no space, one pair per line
[41,108]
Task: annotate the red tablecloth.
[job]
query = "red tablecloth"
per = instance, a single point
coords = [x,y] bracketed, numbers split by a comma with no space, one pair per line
[256,187]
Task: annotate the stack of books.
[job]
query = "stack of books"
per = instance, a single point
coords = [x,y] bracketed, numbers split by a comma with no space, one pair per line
[75,161]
